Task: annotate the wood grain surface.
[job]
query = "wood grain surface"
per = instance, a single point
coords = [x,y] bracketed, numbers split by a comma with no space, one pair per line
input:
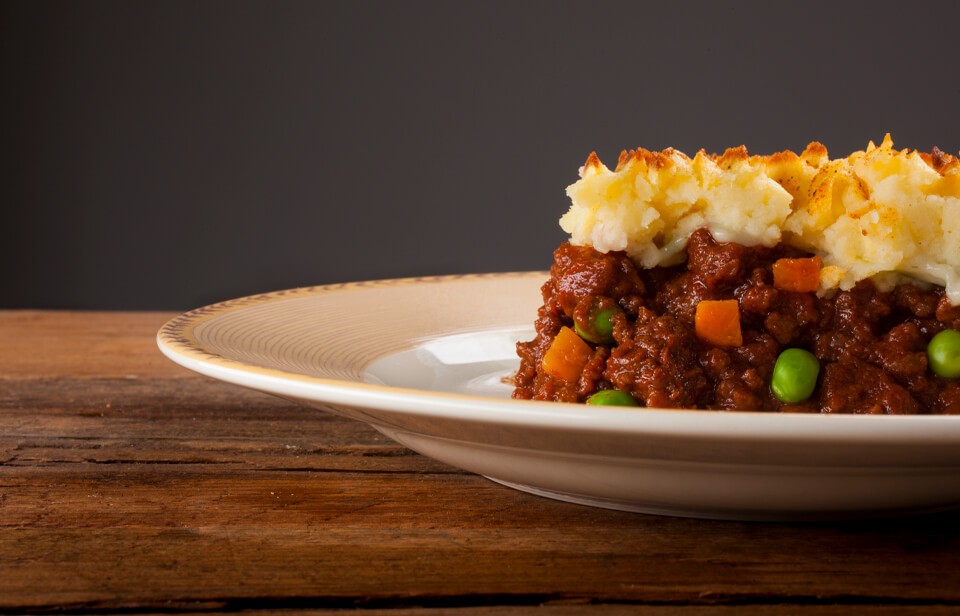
[129,485]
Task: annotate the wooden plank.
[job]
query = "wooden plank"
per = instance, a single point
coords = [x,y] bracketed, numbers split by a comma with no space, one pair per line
[167,421]
[335,562]
[159,533]
[128,484]
[164,408]
[561,608]
[44,344]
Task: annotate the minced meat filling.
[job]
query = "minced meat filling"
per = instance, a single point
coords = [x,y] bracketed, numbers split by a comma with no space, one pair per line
[871,345]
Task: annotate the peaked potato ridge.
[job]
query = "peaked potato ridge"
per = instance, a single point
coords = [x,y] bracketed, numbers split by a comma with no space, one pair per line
[879,213]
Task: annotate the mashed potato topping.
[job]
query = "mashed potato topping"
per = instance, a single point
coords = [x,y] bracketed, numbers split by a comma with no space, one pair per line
[880,213]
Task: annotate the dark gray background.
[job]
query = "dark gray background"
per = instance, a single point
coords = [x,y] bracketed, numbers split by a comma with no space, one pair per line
[167,155]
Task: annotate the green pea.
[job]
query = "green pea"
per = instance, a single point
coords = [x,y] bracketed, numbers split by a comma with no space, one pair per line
[943,354]
[593,324]
[795,375]
[612,397]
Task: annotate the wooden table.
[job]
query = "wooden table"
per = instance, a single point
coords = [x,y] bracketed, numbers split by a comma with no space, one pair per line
[128,484]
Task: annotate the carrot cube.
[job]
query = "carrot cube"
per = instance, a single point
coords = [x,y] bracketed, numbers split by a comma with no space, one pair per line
[800,275]
[718,322]
[567,356]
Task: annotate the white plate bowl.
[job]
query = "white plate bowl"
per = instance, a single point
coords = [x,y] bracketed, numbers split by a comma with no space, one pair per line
[422,361]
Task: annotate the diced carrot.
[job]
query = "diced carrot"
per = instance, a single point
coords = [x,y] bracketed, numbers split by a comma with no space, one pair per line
[718,322]
[567,355]
[801,275]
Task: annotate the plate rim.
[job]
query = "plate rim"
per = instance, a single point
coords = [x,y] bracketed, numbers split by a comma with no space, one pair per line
[175,340]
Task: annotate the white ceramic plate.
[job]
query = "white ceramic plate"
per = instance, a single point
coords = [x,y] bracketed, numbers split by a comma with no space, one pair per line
[421,360]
